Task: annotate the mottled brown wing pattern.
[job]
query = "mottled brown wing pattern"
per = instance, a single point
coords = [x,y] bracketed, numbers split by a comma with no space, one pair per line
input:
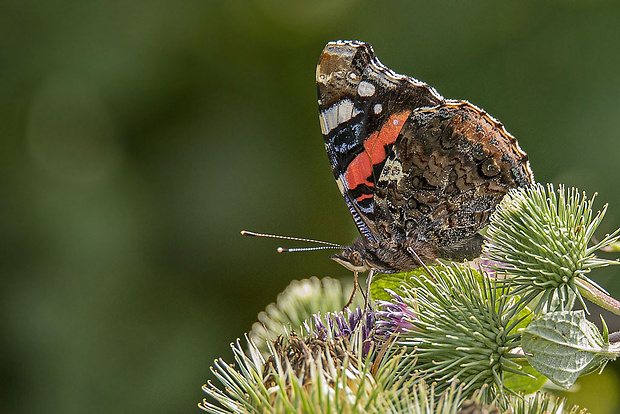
[449,168]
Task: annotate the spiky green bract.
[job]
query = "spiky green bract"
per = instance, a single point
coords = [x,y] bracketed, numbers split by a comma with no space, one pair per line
[465,331]
[296,305]
[420,399]
[423,399]
[542,403]
[539,237]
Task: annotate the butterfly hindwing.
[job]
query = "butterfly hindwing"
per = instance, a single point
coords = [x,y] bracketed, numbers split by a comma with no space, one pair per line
[449,168]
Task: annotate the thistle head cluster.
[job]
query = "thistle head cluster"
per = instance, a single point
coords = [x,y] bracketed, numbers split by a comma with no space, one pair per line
[542,241]
[466,330]
[296,305]
[299,372]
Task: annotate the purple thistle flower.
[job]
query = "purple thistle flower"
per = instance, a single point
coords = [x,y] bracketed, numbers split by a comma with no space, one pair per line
[320,331]
[394,316]
[493,268]
[344,325]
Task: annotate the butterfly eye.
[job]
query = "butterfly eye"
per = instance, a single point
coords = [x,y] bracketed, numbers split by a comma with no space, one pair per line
[355,258]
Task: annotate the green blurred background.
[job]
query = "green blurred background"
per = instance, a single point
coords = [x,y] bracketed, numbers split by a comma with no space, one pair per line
[138,137]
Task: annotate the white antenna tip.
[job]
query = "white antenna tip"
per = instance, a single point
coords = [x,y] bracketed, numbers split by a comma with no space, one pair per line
[282,249]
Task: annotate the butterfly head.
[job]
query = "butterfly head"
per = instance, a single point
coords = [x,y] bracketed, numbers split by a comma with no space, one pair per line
[356,258]
[351,259]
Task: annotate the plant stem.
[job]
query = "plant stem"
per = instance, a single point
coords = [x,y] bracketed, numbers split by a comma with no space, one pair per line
[593,294]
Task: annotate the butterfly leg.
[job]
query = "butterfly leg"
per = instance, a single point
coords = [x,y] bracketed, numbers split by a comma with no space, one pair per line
[371,273]
[356,285]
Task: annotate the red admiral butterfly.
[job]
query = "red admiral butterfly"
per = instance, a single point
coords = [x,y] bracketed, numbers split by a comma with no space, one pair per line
[421,174]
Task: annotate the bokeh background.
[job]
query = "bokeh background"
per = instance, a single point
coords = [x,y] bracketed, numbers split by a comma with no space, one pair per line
[138,137]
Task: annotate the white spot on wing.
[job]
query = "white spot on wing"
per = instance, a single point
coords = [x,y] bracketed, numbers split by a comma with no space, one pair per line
[337,114]
[365,89]
[392,171]
[377,108]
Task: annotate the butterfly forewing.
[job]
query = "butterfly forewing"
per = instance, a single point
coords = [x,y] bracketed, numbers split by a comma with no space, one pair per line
[362,108]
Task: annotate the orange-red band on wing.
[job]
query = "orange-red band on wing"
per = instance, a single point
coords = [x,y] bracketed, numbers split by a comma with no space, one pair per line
[360,169]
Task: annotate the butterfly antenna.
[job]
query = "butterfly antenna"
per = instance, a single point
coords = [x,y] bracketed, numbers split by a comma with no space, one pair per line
[325,245]
[307,249]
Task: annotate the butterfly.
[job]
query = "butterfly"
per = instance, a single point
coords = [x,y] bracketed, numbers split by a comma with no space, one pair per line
[421,174]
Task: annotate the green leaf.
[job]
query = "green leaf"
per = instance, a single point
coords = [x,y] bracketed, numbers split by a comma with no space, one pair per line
[522,383]
[565,345]
[393,282]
